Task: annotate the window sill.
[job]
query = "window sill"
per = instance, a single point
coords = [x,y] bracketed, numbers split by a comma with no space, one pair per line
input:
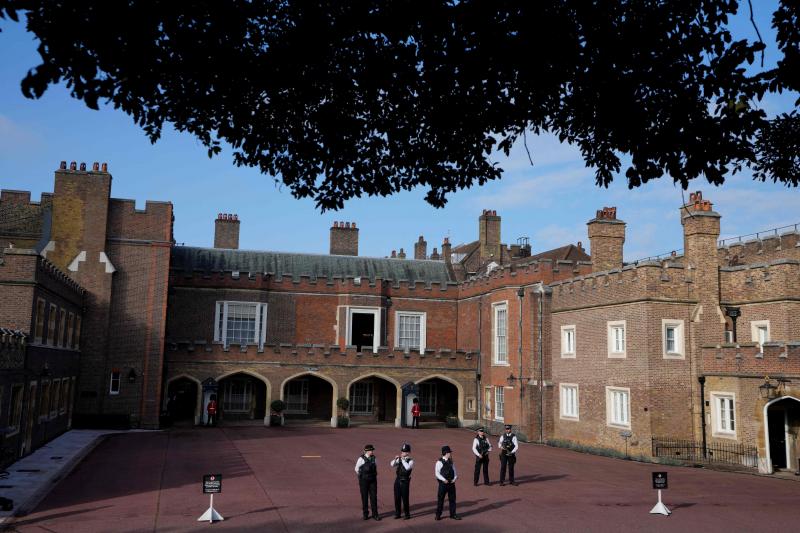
[568,355]
[617,355]
[674,355]
[618,426]
[724,435]
[500,364]
[570,418]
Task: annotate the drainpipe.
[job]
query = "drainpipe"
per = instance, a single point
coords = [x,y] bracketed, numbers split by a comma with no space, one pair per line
[540,328]
[478,391]
[520,296]
[702,380]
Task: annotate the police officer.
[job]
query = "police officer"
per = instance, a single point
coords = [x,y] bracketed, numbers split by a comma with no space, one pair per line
[446,475]
[368,481]
[403,464]
[481,448]
[508,455]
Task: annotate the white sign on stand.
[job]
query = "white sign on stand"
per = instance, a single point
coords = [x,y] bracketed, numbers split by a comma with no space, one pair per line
[660,482]
[212,484]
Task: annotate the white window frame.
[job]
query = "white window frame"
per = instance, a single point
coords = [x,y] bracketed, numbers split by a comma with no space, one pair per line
[718,420]
[496,361]
[565,402]
[754,327]
[470,405]
[499,403]
[369,396]
[118,379]
[423,319]
[432,398]
[567,351]
[221,322]
[376,324]
[304,387]
[488,401]
[680,348]
[15,418]
[611,327]
[611,420]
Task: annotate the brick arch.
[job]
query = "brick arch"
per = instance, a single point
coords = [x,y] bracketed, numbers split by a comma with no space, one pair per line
[198,401]
[334,386]
[766,468]
[459,388]
[258,376]
[398,389]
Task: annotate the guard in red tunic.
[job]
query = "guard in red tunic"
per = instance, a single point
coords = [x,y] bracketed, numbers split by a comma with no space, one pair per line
[415,412]
[212,411]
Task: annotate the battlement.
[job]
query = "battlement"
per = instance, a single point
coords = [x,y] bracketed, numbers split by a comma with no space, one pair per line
[775,360]
[759,282]
[534,271]
[761,249]
[322,354]
[153,223]
[48,269]
[665,280]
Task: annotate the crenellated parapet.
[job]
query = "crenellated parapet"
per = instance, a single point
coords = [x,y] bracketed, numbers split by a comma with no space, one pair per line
[524,273]
[761,249]
[760,282]
[48,271]
[654,280]
[187,351]
[153,223]
[776,359]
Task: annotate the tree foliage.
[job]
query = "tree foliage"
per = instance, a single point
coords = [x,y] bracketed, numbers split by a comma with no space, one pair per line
[339,99]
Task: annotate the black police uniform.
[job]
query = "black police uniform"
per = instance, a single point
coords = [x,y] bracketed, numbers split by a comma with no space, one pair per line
[402,484]
[482,461]
[368,483]
[507,458]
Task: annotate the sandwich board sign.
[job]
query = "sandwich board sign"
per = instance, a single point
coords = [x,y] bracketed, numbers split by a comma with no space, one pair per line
[659,483]
[212,484]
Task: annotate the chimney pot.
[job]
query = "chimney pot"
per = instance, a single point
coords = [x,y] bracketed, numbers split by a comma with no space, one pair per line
[335,224]
[73,165]
[347,225]
[394,254]
[63,165]
[104,167]
[353,225]
[95,166]
[83,167]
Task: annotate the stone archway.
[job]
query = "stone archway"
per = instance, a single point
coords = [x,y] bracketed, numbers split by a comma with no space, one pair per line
[243,395]
[781,415]
[449,396]
[183,401]
[318,410]
[375,397]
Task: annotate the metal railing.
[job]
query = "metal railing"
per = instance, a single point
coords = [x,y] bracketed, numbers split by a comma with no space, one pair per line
[759,234]
[715,452]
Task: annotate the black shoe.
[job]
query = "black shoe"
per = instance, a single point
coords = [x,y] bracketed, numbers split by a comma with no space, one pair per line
[376,517]
[476,484]
[487,483]
[502,484]
[455,517]
[407,517]
[396,517]
[515,484]
[438,517]
[366,517]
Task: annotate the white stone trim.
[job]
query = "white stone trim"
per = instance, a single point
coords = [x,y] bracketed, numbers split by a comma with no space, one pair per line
[73,266]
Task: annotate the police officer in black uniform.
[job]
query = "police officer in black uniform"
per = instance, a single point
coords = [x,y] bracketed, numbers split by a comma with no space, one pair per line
[446,476]
[481,448]
[508,455]
[368,480]
[403,464]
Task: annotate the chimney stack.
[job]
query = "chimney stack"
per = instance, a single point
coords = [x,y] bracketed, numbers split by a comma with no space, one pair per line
[344,238]
[489,235]
[226,231]
[435,254]
[606,237]
[421,248]
[401,254]
[446,250]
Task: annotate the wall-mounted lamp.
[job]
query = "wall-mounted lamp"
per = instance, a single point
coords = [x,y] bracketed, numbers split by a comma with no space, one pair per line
[768,390]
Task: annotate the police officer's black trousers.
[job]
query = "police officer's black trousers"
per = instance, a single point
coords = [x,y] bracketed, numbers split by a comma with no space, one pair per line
[484,461]
[507,460]
[450,490]
[401,495]
[369,489]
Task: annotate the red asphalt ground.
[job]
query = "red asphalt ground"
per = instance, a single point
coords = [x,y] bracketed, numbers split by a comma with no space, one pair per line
[152,482]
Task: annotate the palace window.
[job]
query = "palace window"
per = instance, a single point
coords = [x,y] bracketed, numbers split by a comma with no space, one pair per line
[115,382]
[427,398]
[62,328]
[500,328]
[567,341]
[77,343]
[70,330]
[39,332]
[724,414]
[297,396]
[760,332]
[410,330]
[236,395]
[499,403]
[616,338]
[51,325]
[15,414]
[240,323]
[569,401]
[672,334]
[361,400]
[45,402]
[618,407]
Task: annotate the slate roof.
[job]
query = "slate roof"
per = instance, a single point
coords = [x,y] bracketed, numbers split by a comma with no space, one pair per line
[188,258]
[569,252]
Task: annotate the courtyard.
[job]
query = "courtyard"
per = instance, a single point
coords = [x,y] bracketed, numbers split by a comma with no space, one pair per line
[302,479]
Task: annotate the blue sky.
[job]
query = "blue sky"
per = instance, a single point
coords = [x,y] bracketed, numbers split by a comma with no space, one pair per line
[549,202]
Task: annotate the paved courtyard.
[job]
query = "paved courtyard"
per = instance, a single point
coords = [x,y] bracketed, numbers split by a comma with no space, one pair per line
[302,479]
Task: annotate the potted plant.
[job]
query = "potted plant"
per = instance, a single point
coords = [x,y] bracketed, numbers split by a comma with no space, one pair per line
[343,421]
[452,421]
[277,407]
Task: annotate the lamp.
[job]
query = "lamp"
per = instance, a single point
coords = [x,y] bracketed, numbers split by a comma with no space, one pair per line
[132,376]
[512,378]
[768,390]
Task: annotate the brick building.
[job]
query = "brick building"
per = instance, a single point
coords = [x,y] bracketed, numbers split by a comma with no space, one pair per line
[659,357]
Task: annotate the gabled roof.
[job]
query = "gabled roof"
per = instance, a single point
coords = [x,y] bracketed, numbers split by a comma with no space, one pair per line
[569,252]
[188,258]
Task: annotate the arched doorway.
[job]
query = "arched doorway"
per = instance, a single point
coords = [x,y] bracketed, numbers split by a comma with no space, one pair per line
[373,399]
[182,400]
[781,425]
[308,397]
[241,397]
[439,399]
